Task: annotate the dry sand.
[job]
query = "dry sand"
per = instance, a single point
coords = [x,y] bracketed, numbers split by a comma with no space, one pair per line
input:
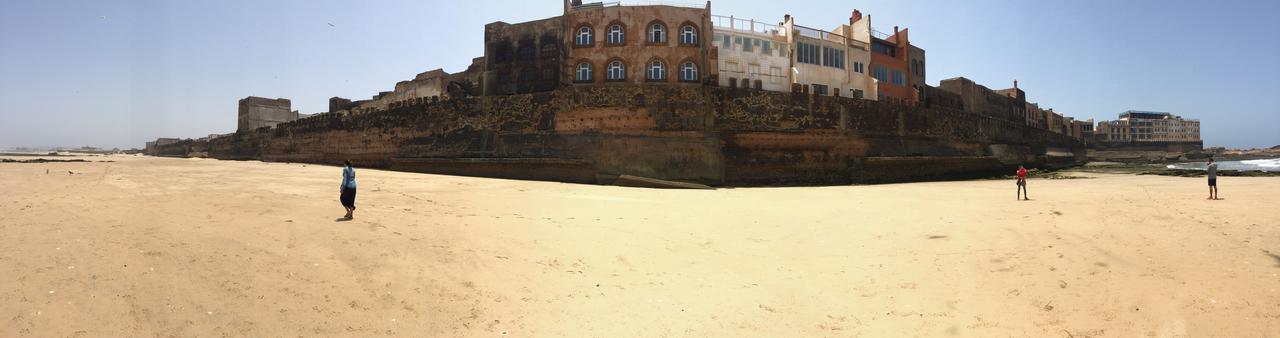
[187,247]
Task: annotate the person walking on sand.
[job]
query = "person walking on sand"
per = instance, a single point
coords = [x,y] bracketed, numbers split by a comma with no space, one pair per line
[1022,184]
[1212,170]
[347,192]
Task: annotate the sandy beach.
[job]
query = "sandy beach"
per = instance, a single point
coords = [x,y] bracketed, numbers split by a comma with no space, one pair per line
[145,246]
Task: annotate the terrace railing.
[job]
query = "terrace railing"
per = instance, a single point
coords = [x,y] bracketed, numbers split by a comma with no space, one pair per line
[739,24]
[879,35]
[638,3]
[665,3]
[818,34]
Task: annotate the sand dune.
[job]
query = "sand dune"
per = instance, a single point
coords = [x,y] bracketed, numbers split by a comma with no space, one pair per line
[187,247]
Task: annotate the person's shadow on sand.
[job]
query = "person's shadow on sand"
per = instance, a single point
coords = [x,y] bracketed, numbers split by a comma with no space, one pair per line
[343,219]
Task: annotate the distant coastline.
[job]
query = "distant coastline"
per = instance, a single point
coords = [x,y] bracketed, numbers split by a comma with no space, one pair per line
[1268,165]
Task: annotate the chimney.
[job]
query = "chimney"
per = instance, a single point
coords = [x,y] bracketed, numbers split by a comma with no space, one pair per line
[1015,84]
[895,30]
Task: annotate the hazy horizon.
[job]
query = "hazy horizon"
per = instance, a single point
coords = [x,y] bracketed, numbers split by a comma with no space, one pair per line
[118,74]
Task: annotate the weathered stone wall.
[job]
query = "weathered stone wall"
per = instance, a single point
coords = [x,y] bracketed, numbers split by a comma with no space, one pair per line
[775,138]
[523,57]
[982,100]
[716,136]
[256,112]
[1170,146]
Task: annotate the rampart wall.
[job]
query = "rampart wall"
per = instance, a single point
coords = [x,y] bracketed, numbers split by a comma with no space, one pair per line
[716,136]
[1170,146]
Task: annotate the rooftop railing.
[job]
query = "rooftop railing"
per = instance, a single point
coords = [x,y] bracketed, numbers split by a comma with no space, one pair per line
[818,34]
[739,24]
[638,3]
[879,35]
[663,3]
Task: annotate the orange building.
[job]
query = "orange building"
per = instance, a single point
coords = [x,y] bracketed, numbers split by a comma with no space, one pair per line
[891,64]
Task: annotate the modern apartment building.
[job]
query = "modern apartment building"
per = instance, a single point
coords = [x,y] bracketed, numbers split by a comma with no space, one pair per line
[1148,126]
[789,56]
[833,62]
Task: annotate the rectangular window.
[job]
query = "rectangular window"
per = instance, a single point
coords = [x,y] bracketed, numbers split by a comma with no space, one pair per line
[746,44]
[820,89]
[880,73]
[883,48]
[807,53]
[731,67]
[765,48]
[754,71]
[832,57]
[728,44]
[898,79]
[774,74]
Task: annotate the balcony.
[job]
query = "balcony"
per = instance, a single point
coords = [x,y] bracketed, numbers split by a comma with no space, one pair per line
[829,36]
[745,25]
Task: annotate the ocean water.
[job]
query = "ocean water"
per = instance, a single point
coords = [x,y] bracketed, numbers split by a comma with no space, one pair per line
[1255,165]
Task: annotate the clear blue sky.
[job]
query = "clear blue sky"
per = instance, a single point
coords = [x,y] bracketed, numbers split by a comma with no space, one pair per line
[118,73]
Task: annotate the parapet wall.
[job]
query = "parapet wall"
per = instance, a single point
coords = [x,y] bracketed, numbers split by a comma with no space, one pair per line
[1169,146]
[800,139]
[716,136]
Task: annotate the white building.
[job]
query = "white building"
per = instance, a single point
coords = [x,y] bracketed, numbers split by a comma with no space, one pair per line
[833,63]
[1148,126]
[752,54]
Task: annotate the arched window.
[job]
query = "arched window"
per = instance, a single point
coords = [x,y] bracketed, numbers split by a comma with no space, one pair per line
[689,72]
[617,71]
[688,35]
[616,35]
[584,72]
[657,70]
[657,33]
[584,36]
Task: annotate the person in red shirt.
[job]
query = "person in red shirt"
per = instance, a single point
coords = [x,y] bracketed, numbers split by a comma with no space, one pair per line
[1022,184]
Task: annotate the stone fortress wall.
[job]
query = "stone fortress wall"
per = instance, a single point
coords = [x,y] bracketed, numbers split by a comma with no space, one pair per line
[258,112]
[710,135]
[522,111]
